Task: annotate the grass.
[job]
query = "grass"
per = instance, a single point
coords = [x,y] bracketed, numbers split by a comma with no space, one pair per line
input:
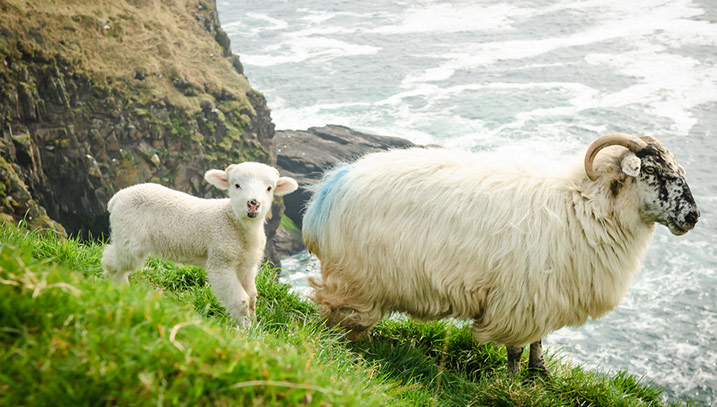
[69,337]
[115,42]
[289,224]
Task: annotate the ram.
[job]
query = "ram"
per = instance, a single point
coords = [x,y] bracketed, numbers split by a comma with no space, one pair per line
[521,247]
[225,236]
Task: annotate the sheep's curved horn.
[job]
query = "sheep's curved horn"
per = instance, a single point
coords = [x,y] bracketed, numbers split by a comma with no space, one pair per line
[620,139]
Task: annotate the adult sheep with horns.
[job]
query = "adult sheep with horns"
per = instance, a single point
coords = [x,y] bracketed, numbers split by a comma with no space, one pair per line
[520,247]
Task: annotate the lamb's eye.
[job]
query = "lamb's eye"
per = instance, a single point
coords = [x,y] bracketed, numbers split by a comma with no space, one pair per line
[650,170]
[268,189]
[237,186]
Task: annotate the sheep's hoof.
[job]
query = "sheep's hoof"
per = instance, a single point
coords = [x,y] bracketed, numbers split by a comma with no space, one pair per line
[541,372]
[357,335]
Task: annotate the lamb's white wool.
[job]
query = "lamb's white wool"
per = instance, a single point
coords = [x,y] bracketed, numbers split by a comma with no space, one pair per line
[521,247]
[226,236]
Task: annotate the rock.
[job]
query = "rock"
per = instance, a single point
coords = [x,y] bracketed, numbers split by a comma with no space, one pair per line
[16,203]
[236,63]
[287,242]
[305,155]
[155,160]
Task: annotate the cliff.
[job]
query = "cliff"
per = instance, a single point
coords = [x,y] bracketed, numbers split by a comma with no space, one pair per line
[98,95]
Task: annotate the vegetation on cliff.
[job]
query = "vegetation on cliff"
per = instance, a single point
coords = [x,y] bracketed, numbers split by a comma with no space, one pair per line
[98,95]
[69,337]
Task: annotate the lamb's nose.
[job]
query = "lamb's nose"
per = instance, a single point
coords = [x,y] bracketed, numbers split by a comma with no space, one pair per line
[253,204]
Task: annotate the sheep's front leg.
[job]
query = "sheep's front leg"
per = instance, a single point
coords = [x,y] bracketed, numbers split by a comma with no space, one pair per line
[514,354]
[229,291]
[536,362]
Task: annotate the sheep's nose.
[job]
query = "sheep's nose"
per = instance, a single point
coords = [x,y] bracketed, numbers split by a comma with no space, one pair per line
[691,218]
[253,205]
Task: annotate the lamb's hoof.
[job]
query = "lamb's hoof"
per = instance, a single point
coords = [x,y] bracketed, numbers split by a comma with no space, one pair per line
[244,323]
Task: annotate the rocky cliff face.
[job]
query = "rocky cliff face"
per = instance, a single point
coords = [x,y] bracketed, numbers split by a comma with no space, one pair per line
[96,97]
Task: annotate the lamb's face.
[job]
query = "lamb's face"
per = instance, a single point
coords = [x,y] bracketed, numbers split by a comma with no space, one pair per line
[665,196]
[251,187]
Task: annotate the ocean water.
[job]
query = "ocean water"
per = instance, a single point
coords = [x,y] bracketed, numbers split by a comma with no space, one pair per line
[540,76]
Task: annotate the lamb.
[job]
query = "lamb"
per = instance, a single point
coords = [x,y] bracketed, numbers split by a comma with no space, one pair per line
[520,248]
[225,236]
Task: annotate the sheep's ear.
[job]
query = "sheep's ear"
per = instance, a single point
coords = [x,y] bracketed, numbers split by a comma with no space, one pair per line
[285,185]
[631,165]
[218,178]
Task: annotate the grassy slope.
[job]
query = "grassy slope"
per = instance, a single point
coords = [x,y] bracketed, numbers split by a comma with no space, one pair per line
[69,337]
[111,42]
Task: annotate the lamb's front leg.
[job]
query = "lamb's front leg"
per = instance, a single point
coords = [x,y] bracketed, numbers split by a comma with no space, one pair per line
[247,278]
[229,291]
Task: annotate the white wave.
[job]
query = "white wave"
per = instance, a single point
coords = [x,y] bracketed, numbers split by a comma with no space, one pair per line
[437,123]
[315,115]
[317,17]
[616,24]
[448,18]
[299,48]
[670,85]
[275,23]
[430,75]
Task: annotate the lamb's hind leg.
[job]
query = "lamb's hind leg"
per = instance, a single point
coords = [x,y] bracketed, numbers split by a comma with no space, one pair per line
[119,263]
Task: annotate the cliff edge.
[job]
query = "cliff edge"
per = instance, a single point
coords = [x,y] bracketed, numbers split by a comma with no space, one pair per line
[96,96]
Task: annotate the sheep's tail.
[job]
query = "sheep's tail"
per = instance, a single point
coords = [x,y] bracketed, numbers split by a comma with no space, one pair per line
[318,209]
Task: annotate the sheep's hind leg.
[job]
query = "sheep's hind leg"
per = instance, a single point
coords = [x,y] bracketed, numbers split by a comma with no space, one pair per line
[536,362]
[514,354]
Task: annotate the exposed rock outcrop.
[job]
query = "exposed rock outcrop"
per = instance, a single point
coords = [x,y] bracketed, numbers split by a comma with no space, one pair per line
[305,155]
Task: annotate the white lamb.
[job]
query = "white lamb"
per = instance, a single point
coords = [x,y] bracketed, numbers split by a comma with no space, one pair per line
[520,248]
[225,236]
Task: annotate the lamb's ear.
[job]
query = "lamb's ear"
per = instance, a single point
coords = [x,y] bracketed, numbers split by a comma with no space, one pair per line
[285,185]
[631,165]
[218,178]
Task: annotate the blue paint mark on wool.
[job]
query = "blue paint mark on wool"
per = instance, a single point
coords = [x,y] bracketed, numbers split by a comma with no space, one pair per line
[319,207]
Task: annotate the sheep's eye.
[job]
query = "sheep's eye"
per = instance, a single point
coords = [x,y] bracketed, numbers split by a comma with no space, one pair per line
[650,170]
[237,186]
[268,189]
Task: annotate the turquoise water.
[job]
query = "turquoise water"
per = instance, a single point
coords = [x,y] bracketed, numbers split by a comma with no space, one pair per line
[542,76]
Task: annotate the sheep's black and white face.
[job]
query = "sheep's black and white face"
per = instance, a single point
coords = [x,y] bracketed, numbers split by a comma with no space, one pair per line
[665,196]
